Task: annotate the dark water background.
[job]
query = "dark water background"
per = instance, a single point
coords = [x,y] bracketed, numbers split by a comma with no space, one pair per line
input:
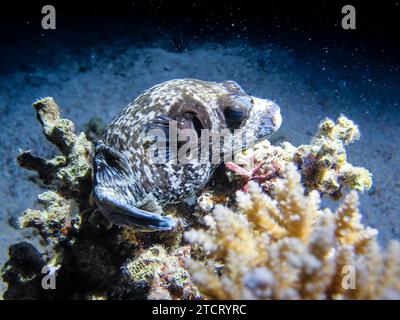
[101,56]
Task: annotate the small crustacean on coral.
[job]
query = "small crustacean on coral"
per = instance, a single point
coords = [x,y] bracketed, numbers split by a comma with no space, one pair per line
[289,248]
[252,174]
[263,163]
[322,163]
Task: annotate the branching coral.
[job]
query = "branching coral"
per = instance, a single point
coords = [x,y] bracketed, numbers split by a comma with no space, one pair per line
[278,245]
[68,175]
[70,171]
[289,248]
[88,253]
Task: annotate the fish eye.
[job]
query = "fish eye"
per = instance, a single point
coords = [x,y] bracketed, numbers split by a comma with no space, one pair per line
[233,118]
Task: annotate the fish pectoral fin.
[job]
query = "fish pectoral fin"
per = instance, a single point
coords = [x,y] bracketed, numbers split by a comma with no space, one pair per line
[122,214]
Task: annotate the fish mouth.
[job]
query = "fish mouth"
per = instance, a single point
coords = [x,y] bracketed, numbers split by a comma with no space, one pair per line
[268,124]
[268,117]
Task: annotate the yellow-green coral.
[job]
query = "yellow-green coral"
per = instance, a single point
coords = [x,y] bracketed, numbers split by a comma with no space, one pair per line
[322,163]
[68,174]
[56,220]
[79,239]
[162,273]
[290,248]
[71,170]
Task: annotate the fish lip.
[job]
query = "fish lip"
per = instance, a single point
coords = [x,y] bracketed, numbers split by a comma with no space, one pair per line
[266,108]
[276,120]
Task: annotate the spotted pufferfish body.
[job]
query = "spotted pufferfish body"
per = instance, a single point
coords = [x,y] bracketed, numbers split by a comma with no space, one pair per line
[129,188]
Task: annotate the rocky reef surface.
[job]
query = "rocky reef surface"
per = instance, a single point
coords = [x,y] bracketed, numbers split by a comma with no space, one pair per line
[256,232]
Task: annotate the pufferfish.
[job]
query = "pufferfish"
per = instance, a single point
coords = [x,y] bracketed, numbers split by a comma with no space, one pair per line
[128,188]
